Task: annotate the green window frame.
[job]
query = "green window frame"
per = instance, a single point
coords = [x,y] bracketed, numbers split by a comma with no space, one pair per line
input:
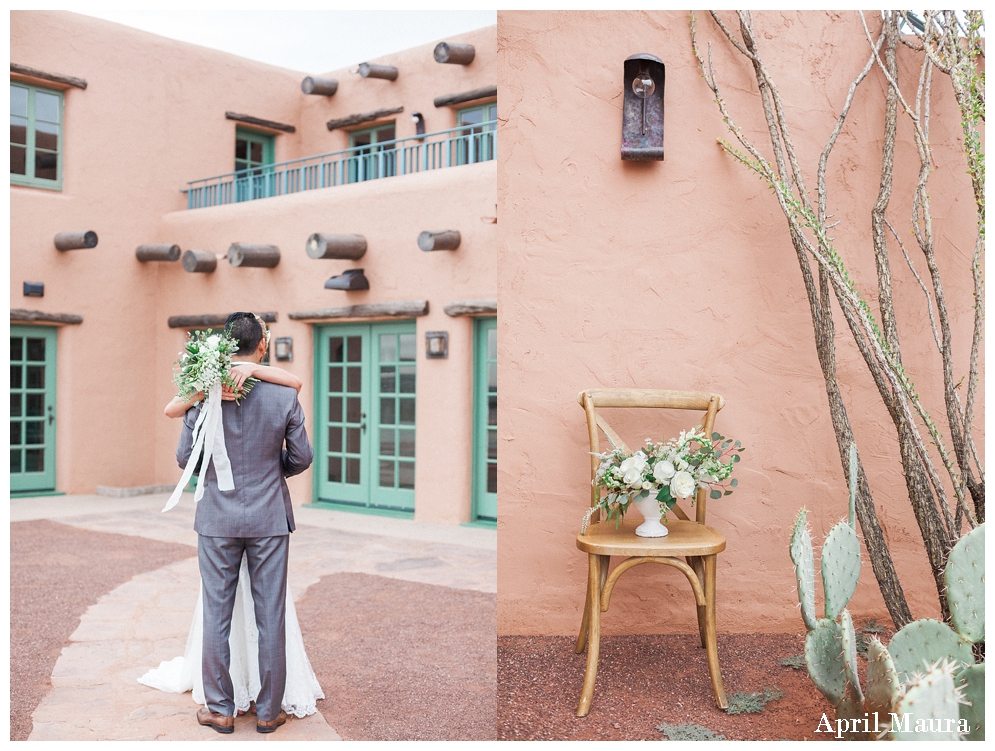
[477,140]
[484,506]
[36,117]
[32,409]
[372,160]
[254,152]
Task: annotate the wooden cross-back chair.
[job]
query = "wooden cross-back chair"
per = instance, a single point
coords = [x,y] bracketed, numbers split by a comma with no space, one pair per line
[689,539]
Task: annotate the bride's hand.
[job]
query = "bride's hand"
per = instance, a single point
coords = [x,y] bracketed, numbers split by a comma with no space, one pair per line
[239,374]
[227,394]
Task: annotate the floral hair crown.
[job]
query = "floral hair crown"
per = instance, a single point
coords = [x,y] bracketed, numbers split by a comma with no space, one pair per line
[264,327]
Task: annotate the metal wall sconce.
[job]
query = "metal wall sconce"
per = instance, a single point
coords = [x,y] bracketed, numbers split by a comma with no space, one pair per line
[254,255]
[34,289]
[76,240]
[453,53]
[284,346]
[419,123]
[436,345]
[350,281]
[642,109]
[372,70]
[199,262]
[445,239]
[160,252]
[319,86]
[336,246]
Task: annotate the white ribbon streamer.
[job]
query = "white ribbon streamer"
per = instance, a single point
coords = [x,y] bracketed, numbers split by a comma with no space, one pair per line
[208,439]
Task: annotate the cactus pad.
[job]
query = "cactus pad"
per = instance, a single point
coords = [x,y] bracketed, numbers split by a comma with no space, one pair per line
[840,567]
[932,697]
[801,554]
[965,580]
[849,638]
[824,655]
[883,686]
[972,679]
[851,709]
[923,643]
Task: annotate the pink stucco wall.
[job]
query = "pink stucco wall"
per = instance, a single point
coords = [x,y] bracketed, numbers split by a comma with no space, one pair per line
[153,118]
[679,274]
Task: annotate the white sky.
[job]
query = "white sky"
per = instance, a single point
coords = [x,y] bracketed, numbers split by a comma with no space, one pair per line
[309,41]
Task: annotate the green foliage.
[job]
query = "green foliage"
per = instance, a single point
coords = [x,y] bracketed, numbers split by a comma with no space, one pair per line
[871,626]
[840,567]
[965,581]
[741,702]
[801,554]
[796,662]
[923,643]
[688,731]
[972,679]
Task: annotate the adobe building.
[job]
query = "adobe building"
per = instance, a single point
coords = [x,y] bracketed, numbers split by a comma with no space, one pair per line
[680,274]
[157,186]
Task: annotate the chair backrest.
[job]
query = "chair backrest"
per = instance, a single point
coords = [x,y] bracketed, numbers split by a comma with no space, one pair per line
[593,399]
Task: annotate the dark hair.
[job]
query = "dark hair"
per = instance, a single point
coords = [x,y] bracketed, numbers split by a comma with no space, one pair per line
[246,329]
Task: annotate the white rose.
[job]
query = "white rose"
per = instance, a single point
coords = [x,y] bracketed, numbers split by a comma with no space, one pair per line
[212,340]
[633,477]
[663,471]
[647,485]
[682,485]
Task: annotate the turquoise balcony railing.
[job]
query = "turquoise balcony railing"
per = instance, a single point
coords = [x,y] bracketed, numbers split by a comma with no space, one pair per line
[447,148]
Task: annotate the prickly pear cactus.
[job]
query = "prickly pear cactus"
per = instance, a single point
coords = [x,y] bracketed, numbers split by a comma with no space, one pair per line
[849,640]
[883,686]
[804,559]
[840,567]
[965,580]
[852,709]
[923,643]
[932,697]
[824,655]
[972,682]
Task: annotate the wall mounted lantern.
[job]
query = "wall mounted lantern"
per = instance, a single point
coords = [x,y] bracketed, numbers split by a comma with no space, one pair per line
[199,261]
[350,281]
[453,53]
[284,346]
[76,240]
[257,255]
[336,246]
[436,345]
[419,123]
[159,252]
[373,70]
[34,289]
[444,239]
[319,86]
[644,77]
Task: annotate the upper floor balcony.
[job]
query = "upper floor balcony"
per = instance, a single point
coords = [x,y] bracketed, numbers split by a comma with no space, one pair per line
[401,156]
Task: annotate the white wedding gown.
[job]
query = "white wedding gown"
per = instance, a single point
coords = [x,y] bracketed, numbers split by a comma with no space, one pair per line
[184,673]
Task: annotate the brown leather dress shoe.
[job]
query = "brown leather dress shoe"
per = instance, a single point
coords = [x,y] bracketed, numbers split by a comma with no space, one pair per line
[217,721]
[264,726]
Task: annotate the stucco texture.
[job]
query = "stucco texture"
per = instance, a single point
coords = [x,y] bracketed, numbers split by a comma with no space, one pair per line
[679,274]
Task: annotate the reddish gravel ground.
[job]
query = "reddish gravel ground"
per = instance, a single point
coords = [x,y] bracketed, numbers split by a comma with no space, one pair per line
[402,661]
[646,680]
[56,573]
[396,660]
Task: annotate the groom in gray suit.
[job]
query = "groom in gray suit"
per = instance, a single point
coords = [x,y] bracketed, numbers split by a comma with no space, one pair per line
[256,518]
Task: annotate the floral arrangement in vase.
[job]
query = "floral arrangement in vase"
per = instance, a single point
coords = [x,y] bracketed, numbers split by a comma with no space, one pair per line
[661,474]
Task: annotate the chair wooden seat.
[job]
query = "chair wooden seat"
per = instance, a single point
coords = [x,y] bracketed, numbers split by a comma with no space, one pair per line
[691,547]
[685,538]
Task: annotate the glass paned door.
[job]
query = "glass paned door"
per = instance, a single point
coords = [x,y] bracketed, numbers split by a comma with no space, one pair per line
[374,153]
[32,409]
[253,154]
[476,140]
[485,421]
[365,444]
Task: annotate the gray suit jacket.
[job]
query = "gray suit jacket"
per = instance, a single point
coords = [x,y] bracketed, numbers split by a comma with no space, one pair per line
[255,432]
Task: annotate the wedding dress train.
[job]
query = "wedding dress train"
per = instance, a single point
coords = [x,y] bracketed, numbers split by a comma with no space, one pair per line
[183,674]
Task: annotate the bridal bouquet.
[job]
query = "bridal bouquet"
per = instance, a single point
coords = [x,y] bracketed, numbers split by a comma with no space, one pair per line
[204,365]
[204,362]
[669,471]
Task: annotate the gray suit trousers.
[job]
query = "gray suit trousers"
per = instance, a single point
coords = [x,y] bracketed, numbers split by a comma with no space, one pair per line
[220,559]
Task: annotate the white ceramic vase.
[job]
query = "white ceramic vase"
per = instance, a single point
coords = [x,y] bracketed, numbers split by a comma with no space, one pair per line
[649,507]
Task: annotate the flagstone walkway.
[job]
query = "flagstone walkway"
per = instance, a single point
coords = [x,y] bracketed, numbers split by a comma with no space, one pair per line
[96,695]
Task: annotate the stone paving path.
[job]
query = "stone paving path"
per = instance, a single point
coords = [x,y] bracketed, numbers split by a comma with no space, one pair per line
[96,694]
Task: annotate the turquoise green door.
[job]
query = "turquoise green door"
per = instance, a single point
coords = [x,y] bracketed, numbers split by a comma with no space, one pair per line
[485,421]
[32,409]
[365,434]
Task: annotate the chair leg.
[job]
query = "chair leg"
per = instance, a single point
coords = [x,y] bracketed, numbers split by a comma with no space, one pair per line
[593,614]
[603,563]
[711,643]
[695,563]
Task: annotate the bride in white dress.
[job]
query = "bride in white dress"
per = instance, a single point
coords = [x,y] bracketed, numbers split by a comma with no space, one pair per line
[183,673]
